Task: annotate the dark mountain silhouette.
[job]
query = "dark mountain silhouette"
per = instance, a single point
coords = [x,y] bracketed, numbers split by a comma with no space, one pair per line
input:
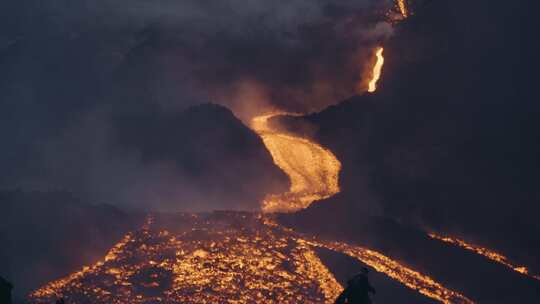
[448,142]
[213,149]
[47,235]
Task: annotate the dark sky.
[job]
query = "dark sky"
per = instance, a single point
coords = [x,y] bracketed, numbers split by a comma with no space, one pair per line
[69,70]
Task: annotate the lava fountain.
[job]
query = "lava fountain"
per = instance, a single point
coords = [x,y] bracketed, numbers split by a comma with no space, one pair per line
[313,170]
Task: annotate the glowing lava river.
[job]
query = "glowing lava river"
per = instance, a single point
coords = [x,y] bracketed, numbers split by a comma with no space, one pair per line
[235,257]
[238,257]
[312,169]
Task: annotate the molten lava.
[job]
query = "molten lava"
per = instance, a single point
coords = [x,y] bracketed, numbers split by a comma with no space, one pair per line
[408,277]
[312,169]
[490,254]
[381,263]
[234,257]
[224,257]
[377,69]
[402,6]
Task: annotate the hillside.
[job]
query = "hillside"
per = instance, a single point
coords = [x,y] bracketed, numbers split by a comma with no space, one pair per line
[447,143]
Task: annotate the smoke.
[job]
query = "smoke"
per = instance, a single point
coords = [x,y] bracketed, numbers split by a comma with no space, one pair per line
[73,73]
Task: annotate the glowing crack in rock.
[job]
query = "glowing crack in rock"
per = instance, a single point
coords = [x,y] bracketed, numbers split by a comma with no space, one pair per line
[313,170]
[488,253]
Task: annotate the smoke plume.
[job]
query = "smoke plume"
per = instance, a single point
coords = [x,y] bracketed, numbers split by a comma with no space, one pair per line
[73,73]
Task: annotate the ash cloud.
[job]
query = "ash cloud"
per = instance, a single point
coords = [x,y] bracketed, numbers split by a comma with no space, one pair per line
[72,74]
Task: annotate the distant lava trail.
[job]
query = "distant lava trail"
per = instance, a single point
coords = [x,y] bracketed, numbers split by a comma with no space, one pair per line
[402,6]
[312,169]
[377,70]
[488,253]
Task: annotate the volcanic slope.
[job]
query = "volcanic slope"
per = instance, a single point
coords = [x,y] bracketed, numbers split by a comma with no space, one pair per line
[222,257]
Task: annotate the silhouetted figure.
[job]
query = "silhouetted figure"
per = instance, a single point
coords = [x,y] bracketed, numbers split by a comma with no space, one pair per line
[60,301]
[358,290]
[5,291]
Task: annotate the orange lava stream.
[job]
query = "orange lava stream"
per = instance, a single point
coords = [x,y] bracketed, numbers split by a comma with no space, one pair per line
[226,257]
[377,69]
[490,254]
[403,8]
[312,169]
[412,279]
[289,154]
[408,277]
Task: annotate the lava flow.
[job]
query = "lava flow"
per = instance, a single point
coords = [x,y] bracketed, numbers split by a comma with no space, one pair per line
[490,254]
[381,263]
[222,257]
[235,257]
[408,277]
[377,69]
[312,169]
[402,6]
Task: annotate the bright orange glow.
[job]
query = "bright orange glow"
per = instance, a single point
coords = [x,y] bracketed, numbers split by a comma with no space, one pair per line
[230,258]
[490,254]
[235,257]
[225,257]
[403,8]
[381,263]
[312,169]
[377,69]
[408,277]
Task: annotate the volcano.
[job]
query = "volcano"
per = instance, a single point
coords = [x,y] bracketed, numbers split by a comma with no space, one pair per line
[427,177]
